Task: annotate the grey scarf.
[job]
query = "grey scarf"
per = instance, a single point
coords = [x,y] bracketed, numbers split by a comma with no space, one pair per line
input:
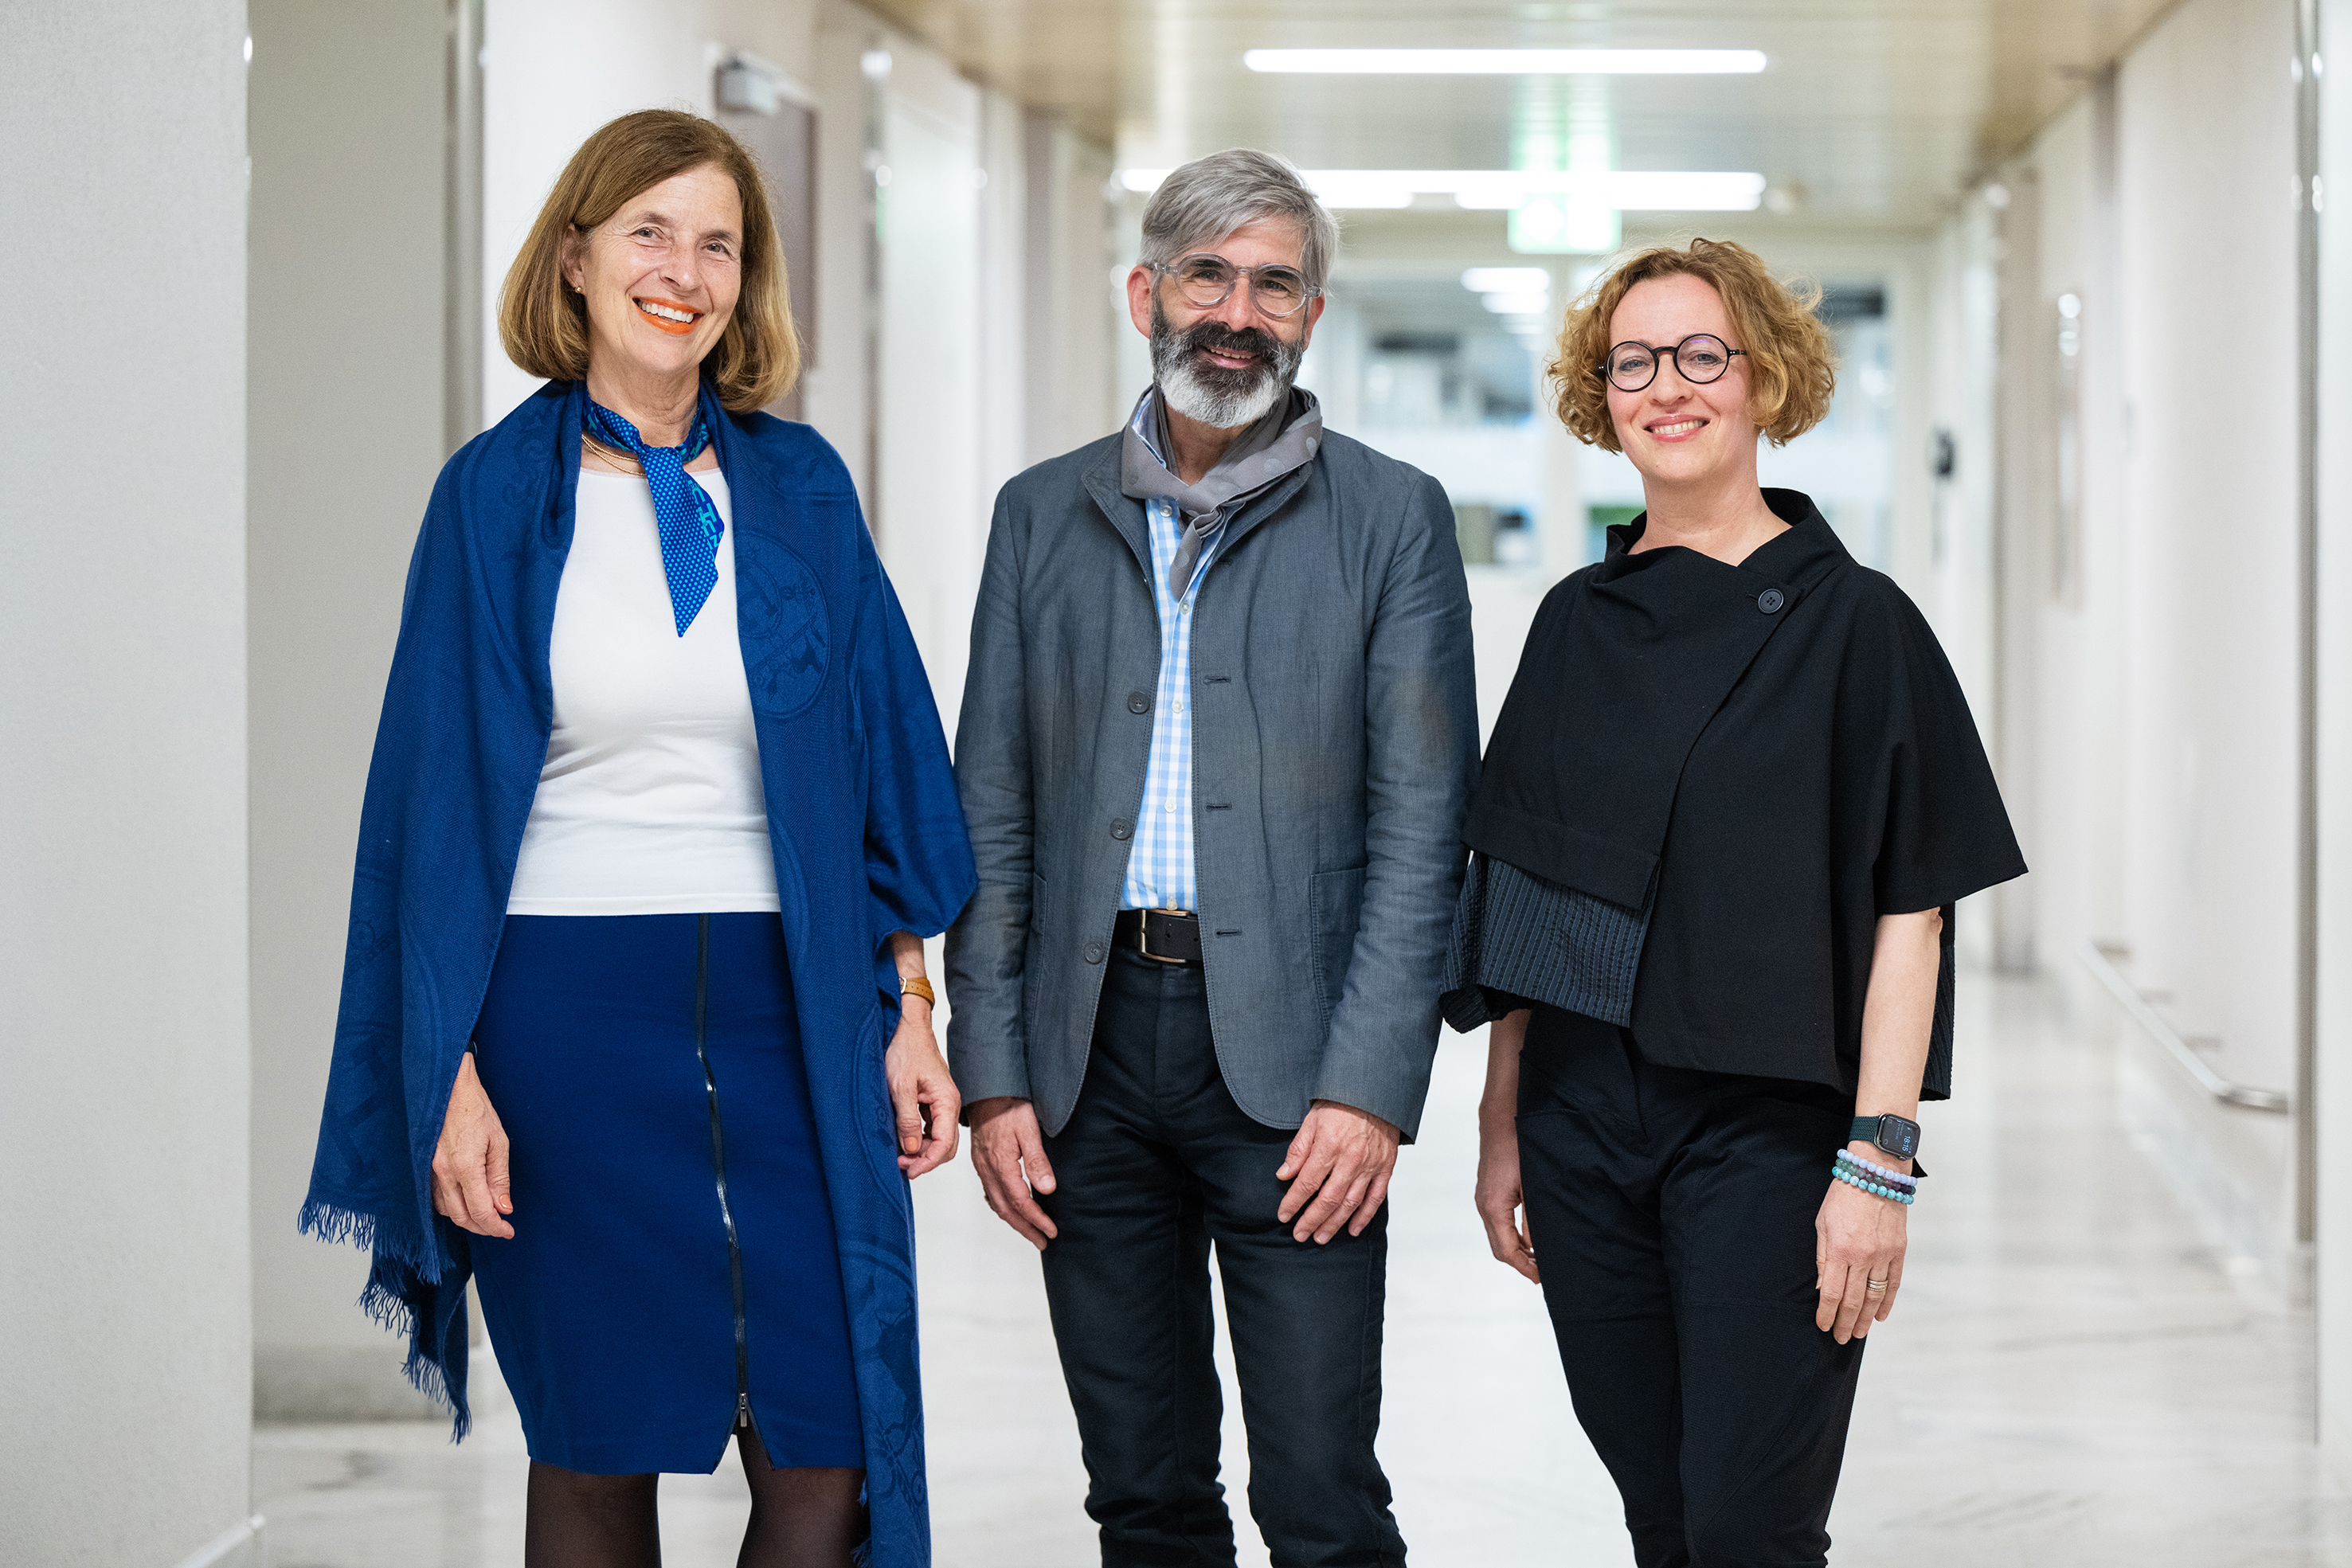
[1285,439]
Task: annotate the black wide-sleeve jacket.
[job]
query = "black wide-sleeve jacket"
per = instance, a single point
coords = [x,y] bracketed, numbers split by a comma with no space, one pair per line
[1739,768]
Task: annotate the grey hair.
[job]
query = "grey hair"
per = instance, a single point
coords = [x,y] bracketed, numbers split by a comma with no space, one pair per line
[1209,197]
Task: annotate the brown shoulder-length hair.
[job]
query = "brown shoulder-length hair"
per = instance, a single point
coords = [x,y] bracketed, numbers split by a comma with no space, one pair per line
[543,326]
[1792,369]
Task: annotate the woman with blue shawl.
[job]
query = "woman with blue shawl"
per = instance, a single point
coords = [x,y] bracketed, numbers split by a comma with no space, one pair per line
[634,1029]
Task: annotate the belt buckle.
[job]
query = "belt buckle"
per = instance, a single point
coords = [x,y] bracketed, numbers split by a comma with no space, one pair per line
[1143,934]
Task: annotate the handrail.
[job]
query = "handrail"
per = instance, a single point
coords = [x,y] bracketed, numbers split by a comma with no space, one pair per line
[2100,957]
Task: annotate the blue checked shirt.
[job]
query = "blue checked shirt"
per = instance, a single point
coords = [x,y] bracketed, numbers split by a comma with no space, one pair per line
[1159,861]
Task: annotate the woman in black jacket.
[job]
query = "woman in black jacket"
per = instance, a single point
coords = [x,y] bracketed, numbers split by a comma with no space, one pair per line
[1732,797]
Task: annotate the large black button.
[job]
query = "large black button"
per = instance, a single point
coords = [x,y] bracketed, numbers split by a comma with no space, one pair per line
[1769,601]
[1094,952]
[1138,702]
[1121,829]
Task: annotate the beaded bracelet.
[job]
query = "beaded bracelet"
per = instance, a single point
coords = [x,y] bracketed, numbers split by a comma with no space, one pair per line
[1877,1190]
[1894,1178]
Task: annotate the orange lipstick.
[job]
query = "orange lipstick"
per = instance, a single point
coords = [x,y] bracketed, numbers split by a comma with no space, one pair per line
[675,328]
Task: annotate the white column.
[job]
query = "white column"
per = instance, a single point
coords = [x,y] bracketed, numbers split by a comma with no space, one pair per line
[2335,1087]
[122,868]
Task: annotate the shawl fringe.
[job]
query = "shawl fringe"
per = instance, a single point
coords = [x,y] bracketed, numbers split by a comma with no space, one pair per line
[394,1278]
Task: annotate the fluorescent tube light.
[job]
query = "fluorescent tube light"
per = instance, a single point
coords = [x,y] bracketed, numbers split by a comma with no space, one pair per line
[1516,304]
[1507,62]
[1627,190]
[1341,188]
[1507,280]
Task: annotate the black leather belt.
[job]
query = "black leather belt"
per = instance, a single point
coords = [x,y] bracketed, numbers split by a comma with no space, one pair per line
[1170,936]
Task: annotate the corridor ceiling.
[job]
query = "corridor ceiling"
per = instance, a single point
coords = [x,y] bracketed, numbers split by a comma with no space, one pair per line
[1871,114]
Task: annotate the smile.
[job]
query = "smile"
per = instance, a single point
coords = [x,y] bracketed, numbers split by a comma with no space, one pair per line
[1677,430]
[669,315]
[1229,359]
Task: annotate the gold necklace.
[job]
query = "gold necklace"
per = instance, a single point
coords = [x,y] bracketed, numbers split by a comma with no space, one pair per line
[611,454]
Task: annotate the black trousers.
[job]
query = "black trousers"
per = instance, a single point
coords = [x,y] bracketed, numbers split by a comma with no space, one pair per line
[1156,1162]
[1672,1213]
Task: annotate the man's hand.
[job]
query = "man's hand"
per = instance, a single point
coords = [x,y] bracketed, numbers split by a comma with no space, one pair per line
[469,1166]
[1008,1151]
[922,1095]
[1342,1159]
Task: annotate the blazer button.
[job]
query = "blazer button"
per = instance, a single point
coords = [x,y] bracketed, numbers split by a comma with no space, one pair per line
[1094,952]
[1138,702]
[1121,829]
[1769,601]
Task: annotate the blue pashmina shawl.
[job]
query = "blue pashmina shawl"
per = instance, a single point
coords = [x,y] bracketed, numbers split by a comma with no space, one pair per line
[862,811]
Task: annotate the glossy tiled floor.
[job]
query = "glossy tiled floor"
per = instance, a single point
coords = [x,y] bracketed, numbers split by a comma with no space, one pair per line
[2070,1379]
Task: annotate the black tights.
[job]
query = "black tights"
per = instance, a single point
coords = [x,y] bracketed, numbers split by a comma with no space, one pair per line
[799,1518]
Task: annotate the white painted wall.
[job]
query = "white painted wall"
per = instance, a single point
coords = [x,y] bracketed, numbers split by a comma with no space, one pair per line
[1076,307]
[346,434]
[930,513]
[2206,231]
[123,1261]
[2065,603]
[2150,693]
[2334,1306]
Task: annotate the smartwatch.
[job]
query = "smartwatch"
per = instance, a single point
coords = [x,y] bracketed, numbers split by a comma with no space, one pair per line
[1896,1135]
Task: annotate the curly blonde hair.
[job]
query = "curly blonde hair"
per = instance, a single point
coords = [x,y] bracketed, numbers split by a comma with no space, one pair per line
[543,326]
[1792,369]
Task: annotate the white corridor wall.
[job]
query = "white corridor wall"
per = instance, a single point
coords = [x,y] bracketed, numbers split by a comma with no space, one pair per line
[123,1261]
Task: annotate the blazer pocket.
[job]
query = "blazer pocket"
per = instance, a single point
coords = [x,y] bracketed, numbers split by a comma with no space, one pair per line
[1335,905]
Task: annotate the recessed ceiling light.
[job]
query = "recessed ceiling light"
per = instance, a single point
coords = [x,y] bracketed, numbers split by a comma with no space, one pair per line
[1507,280]
[1508,62]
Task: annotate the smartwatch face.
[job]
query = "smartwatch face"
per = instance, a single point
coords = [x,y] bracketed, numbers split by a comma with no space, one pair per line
[1897,1137]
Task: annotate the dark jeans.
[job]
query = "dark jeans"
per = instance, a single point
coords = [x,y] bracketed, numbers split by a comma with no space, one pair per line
[1672,1213]
[1155,1162]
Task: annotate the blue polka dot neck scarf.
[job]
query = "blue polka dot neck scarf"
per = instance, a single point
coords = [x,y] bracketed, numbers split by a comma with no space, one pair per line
[689,517]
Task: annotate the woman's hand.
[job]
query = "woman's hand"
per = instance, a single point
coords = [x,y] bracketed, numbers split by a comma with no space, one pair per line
[1859,1237]
[1500,1199]
[922,1095]
[469,1166]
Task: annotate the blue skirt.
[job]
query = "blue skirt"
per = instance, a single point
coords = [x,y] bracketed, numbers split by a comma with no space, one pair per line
[672,1265]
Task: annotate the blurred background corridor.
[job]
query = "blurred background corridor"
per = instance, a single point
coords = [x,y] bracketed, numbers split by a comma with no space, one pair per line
[2087,291]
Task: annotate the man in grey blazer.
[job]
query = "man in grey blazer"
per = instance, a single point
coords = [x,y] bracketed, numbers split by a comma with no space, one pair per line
[1218,736]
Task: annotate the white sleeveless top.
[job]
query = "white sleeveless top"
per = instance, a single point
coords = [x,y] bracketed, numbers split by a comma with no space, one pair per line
[649,803]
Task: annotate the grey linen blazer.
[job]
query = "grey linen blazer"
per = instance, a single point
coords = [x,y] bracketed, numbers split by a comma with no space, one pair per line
[1335,743]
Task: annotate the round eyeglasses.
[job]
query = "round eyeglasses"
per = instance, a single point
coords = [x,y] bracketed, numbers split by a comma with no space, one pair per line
[1699,359]
[1207,281]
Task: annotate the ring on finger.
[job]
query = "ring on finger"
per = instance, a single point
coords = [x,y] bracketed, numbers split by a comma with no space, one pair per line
[1873,1284]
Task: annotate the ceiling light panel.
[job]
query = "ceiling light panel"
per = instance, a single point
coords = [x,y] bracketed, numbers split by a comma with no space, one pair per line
[1626,190]
[1507,280]
[1507,62]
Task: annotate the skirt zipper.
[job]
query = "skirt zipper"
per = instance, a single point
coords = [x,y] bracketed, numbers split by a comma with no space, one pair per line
[719,1170]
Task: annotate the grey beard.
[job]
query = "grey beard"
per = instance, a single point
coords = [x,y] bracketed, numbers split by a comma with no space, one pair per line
[1222,400]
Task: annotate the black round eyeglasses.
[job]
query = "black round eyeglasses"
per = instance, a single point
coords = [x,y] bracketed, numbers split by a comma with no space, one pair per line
[1699,359]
